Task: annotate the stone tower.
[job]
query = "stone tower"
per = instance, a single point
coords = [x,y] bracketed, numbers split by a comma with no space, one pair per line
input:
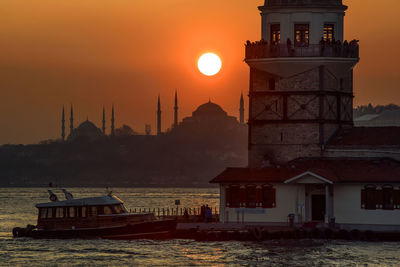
[241,109]
[301,80]
[158,116]
[176,110]
[63,125]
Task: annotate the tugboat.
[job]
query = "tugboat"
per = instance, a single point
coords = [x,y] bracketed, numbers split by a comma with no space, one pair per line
[94,217]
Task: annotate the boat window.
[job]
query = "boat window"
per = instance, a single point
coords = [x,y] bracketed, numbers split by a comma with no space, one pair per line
[59,212]
[43,213]
[51,213]
[107,210]
[83,212]
[118,209]
[100,210]
[71,212]
[92,211]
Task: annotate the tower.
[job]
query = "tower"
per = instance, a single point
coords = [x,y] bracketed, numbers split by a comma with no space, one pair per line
[112,121]
[301,80]
[71,121]
[63,125]
[103,128]
[176,110]
[241,109]
[158,116]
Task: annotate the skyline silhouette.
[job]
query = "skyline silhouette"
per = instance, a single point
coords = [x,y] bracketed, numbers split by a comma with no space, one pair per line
[129,52]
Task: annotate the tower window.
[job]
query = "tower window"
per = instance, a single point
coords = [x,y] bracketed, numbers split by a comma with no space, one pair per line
[271,84]
[275,33]
[302,34]
[329,32]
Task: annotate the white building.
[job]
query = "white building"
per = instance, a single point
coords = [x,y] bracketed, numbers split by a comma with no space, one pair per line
[306,158]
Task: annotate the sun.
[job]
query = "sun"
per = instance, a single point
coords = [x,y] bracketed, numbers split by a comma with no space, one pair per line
[209,64]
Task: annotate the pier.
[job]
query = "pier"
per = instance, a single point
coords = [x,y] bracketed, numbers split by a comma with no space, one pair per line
[196,227]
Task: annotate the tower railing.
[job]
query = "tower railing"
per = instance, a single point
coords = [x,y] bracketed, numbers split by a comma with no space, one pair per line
[302,2]
[262,49]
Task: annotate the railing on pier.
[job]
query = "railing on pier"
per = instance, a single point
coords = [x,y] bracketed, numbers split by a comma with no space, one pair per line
[262,49]
[183,214]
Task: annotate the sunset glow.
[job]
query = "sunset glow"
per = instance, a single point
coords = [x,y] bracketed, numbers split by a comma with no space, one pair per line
[209,64]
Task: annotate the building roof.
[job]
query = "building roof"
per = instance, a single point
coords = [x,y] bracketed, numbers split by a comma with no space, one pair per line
[209,109]
[91,201]
[334,170]
[367,136]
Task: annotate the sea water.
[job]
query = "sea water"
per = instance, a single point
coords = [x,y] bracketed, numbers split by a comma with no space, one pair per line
[17,209]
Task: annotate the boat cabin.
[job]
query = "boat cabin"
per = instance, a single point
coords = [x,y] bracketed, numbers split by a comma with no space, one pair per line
[83,213]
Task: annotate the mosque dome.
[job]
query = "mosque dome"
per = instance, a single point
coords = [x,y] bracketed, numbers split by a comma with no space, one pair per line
[86,129]
[209,109]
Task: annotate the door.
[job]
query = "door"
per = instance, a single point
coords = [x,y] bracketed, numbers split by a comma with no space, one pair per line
[318,207]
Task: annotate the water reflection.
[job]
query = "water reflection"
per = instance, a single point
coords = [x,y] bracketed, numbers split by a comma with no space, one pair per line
[17,209]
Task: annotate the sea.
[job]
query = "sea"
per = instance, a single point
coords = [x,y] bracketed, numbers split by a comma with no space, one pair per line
[17,209]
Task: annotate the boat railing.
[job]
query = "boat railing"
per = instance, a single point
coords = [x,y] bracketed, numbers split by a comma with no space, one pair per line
[182,213]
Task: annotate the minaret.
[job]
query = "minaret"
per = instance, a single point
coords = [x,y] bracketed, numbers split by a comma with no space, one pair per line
[63,125]
[301,88]
[112,121]
[159,116]
[241,109]
[71,121]
[176,110]
[104,121]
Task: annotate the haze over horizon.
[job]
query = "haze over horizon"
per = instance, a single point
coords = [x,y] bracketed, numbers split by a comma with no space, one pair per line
[55,53]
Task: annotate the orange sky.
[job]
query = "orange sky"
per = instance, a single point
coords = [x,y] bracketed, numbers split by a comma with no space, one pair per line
[95,52]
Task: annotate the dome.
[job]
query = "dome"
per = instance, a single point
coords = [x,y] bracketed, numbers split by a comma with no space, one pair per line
[87,126]
[86,129]
[209,109]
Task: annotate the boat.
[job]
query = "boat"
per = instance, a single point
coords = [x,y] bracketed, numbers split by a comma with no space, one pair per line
[94,217]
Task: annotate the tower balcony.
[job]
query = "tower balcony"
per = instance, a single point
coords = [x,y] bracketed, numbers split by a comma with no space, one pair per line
[263,50]
[270,3]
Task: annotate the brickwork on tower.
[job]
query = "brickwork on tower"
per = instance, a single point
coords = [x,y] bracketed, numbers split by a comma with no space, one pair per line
[295,116]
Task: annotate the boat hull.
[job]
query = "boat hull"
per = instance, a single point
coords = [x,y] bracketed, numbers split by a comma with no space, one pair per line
[160,229]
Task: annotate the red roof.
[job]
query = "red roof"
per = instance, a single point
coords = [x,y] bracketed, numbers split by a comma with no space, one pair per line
[336,170]
[367,136]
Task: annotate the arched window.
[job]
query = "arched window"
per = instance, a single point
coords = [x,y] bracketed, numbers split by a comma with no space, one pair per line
[271,84]
[369,197]
[251,197]
[233,196]
[268,196]
[388,197]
